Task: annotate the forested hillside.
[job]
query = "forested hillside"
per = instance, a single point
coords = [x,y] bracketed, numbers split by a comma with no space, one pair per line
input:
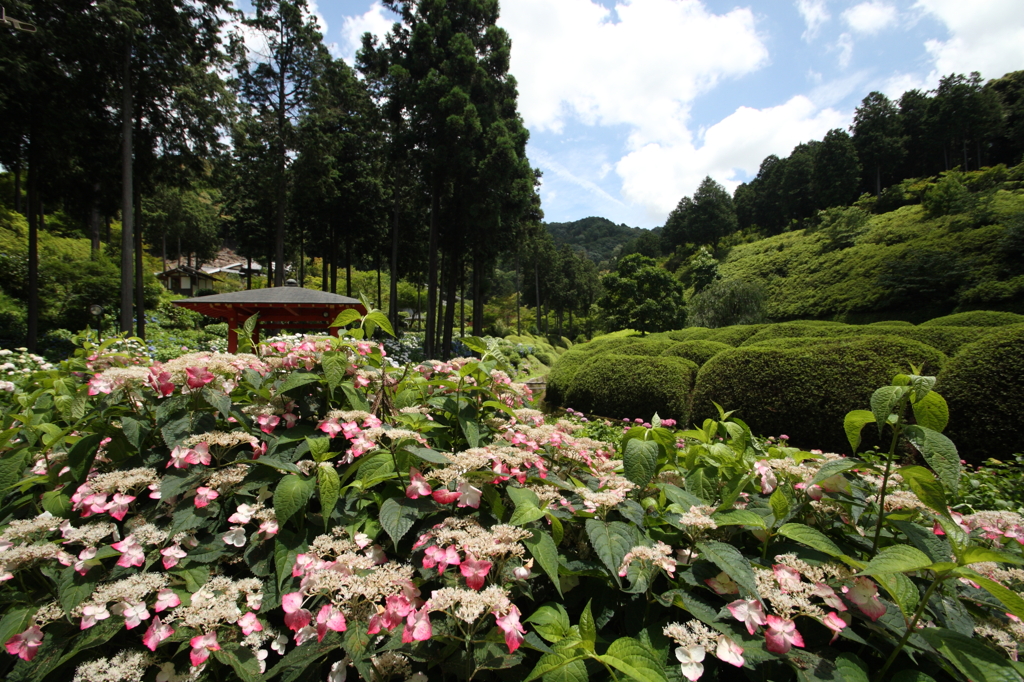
[593,237]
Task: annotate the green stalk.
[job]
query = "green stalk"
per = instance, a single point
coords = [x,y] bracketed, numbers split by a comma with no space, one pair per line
[910,629]
[885,478]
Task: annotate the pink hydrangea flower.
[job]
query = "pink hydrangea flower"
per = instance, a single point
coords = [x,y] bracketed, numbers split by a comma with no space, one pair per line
[329,618]
[440,557]
[295,617]
[729,651]
[788,578]
[202,646]
[723,584]
[133,614]
[691,661]
[119,505]
[749,612]
[93,613]
[26,645]
[156,633]
[205,495]
[171,555]
[268,422]
[98,384]
[250,624]
[166,599]
[475,571]
[835,622]
[468,495]
[330,426]
[782,635]
[418,485]
[864,594]
[445,496]
[197,378]
[179,458]
[132,553]
[513,629]
[200,454]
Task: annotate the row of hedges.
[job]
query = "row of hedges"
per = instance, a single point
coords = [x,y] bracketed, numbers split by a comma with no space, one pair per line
[802,378]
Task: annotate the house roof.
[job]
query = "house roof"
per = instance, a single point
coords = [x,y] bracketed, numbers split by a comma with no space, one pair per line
[276,295]
[275,305]
[186,270]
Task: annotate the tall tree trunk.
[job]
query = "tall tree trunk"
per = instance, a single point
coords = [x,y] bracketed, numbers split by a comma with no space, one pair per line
[127,214]
[163,252]
[94,224]
[348,268]
[248,273]
[419,307]
[393,289]
[449,313]
[140,288]
[334,258]
[439,321]
[282,190]
[428,341]
[34,159]
[878,180]
[519,322]
[325,283]
[462,301]
[270,265]
[536,284]
[302,258]
[380,298]
[478,294]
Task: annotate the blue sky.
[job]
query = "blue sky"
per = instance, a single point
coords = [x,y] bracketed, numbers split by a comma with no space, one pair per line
[630,103]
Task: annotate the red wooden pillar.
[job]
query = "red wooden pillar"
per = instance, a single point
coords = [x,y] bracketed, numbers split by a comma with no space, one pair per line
[233,332]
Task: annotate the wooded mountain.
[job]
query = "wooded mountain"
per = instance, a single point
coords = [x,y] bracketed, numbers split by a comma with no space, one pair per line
[596,238]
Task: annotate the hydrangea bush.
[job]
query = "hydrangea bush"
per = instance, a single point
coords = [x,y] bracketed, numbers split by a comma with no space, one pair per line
[312,512]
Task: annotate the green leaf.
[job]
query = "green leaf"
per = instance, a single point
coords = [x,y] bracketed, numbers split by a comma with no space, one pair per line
[523,496]
[550,621]
[319,448]
[779,504]
[561,665]
[291,495]
[901,589]
[811,537]
[611,541]
[16,621]
[471,430]
[524,514]
[926,487]
[897,559]
[971,656]
[730,560]
[699,484]
[852,668]
[297,661]
[330,486]
[73,588]
[738,517]
[939,452]
[640,461]
[297,380]
[853,424]
[242,661]
[640,662]
[588,628]
[57,503]
[733,493]
[196,576]
[931,412]
[833,467]
[80,458]
[1010,599]
[135,431]
[912,676]
[543,549]
[884,401]
[973,555]
[346,317]
[428,455]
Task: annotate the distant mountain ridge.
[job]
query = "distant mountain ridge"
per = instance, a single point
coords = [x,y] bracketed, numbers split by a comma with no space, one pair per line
[594,237]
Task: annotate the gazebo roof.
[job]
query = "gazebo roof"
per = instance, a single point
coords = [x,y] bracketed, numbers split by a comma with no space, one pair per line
[273,295]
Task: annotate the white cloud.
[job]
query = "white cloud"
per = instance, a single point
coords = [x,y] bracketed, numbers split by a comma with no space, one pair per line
[985,36]
[845,47]
[556,168]
[815,14]
[375,20]
[870,17]
[657,175]
[643,71]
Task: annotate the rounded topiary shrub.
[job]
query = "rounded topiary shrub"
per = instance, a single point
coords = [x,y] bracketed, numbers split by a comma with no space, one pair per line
[546,357]
[605,344]
[891,323]
[652,347]
[633,386]
[804,388]
[562,373]
[734,335]
[697,352]
[984,386]
[949,340]
[976,318]
[689,334]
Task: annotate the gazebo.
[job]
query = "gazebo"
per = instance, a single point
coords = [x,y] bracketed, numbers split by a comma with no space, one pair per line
[281,308]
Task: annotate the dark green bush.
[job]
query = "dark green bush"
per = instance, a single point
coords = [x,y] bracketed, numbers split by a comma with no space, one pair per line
[632,386]
[984,386]
[804,389]
[690,334]
[546,357]
[734,335]
[562,373]
[891,323]
[976,318]
[697,352]
[946,339]
[646,347]
[604,345]
[13,326]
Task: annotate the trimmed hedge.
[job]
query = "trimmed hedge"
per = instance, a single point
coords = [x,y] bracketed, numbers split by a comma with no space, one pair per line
[600,345]
[697,352]
[976,318]
[949,340]
[736,334]
[690,334]
[805,390]
[891,323]
[562,373]
[633,386]
[984,386]
[656,347]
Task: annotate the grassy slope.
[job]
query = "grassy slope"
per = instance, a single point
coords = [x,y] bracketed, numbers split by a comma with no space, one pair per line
[805,279]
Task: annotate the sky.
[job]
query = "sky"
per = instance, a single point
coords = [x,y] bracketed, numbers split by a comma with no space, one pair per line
[631,103]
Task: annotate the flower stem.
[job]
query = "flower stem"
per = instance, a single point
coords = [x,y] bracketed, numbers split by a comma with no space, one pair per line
[910,628]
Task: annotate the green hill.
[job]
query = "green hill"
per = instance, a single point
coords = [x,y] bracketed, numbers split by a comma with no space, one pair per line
[956,244]
[596,238]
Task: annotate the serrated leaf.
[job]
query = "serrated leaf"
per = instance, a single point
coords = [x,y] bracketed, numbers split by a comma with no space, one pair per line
[297,380]
[811,537]
[931,411]
[853,424]
[291,495]
[561,666]
[640,662]
[74,588]
[912,676]
[335,366]
[779,504]
[733,493]
[611,541]
[397,516]
[471,430]
[971,656]
[936,547]
[428,455]
[852,668]
[927,489]
[80,458]
[738,517]
[884,401]
[939,452]
[329,484]
[57,503]
[699,484]
[297,661]
[973,555]
[833,467]
[550,621]
[542,548]
[901,589]
[134,430]
[640,461]
[15,621]
[346,317]
[588,628]
[524,514]
[1010,599]
[319,448]
[242,661]
[730,560]
[897,559]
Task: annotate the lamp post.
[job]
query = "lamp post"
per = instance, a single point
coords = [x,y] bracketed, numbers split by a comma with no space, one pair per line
[96,310]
